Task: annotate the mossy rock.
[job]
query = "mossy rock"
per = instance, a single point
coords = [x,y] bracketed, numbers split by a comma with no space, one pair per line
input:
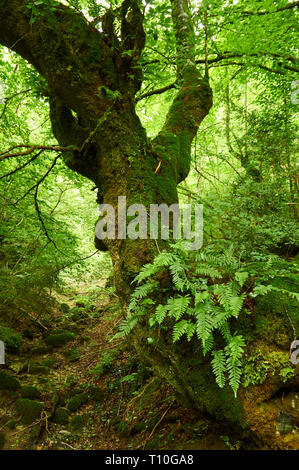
[29,391]
[97,393]
[61,416]
[277,314]
[77,423]
[77,401]
[2,440]
[64,308]
[11,424]
[29,409]
[34,432]
[7,382]
[11,338]
[60,339]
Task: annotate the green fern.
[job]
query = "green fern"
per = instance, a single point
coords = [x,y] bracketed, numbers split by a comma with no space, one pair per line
[234,351]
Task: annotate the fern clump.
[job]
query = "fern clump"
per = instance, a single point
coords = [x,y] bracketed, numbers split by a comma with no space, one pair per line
[204,292]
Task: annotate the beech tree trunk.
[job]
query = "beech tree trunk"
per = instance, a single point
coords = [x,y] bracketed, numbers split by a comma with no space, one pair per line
[91,86]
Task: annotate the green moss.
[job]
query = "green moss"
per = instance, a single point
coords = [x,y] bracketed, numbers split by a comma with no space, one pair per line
[34,368]
[261,364]
[106,362]
[29,409]
[97,393]
[255,370]
[39,351]
[11,339]
[48,362]
[77,423]
[72,355]
[2,440]
[61,416]
[59,339]
[64,308]
[277,314]
[30,391]
[77,401]
[7,382]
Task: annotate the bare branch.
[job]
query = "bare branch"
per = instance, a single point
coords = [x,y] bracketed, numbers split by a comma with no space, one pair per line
[22,166]
[9,98]
[39,215]
[159,91]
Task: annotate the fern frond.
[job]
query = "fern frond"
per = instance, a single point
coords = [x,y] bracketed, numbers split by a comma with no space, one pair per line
[234,351]
[146,271]
[160,313]
[178,276]
[179,329]
[204,324]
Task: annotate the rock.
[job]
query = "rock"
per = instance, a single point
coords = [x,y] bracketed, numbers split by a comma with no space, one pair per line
[77,401]
[60,339]
[7,382]
[28,391]
[77,423]
[76,391]
[61,416]
[29,409]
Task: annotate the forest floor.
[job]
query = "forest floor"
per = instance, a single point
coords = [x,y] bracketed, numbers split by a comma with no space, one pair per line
[93,393]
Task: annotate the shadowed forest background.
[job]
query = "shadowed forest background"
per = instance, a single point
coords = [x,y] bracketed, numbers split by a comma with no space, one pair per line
[142,344]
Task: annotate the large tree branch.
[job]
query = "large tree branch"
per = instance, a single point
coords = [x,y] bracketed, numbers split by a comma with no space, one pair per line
[84,71]
[62,46]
